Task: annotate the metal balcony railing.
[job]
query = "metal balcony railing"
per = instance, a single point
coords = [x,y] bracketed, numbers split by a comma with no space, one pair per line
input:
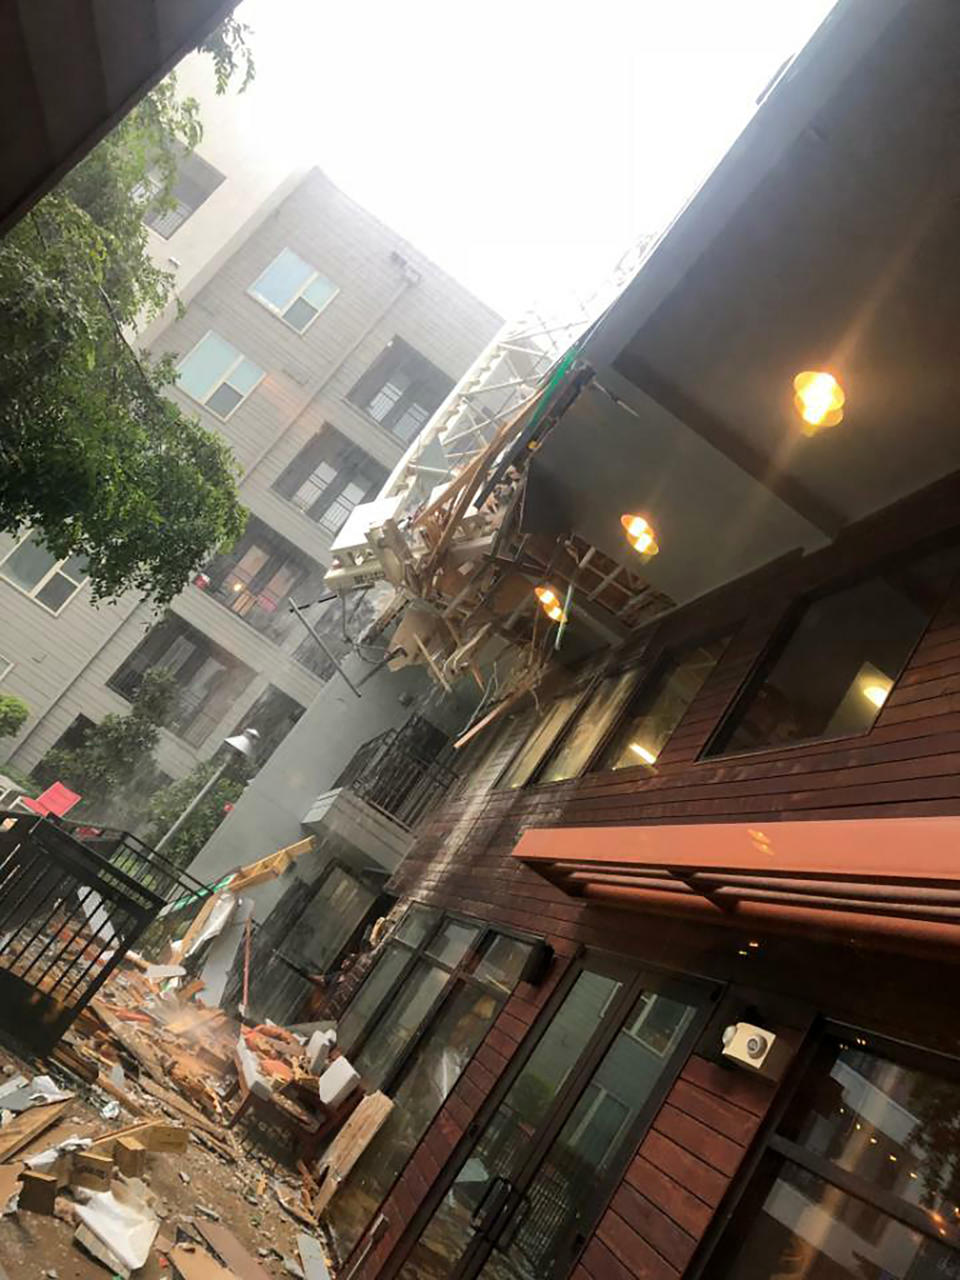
[73,900]
[391,777]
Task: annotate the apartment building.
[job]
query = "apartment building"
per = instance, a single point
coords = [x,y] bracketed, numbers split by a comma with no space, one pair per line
[318,348]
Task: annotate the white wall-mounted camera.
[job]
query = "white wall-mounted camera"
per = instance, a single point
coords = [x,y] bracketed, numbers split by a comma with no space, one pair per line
[752,1047]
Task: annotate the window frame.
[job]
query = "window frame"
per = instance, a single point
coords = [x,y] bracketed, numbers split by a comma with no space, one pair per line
[592,680]
[311,279]
[6,666]
[32,593]
[771,1150]
[225,379]
[360,397]
[352,465]
[460,972]
[790,616]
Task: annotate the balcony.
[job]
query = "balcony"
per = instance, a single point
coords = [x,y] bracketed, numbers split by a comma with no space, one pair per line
[390,785]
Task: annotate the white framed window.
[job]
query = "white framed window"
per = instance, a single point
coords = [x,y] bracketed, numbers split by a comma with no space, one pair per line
[37,572]
[293,290]
[217,375]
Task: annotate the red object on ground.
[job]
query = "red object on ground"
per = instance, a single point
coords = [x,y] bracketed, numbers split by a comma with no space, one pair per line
[56,800]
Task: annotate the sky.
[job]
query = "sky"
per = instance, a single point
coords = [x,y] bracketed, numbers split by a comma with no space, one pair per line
[520,144]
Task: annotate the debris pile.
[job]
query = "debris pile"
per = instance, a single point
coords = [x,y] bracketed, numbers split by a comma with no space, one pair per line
[261,1102]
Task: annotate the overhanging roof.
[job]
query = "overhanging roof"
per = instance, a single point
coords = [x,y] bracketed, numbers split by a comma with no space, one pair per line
[70,69]
[845,876]
[826,238]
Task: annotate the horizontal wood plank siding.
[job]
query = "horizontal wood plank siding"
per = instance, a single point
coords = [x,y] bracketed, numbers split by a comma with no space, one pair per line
[908,764]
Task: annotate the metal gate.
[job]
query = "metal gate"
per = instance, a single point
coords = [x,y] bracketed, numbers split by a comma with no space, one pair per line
[73,900]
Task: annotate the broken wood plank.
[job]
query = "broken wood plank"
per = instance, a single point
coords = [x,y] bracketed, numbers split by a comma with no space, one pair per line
[130,1155]
[230,1251]
[190,1262]
[27,1126]
[93,1171]
[126,1100]
[9,1182]
[155,1135]
[350,1143]
[197,1119]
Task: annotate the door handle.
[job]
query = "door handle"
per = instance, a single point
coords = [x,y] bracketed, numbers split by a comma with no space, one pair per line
[514,1222]
[491,1202]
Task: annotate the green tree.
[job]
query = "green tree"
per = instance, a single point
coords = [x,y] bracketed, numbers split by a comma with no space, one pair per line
[92,453]
[13,714]
[112,767]
[169,803]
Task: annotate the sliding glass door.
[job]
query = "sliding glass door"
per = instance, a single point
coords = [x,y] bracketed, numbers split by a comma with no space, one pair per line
[526,1195]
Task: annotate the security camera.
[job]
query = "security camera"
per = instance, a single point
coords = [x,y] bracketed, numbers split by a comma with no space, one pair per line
[751,1047]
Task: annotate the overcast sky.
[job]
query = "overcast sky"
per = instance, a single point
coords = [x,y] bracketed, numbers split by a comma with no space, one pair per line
[516,142]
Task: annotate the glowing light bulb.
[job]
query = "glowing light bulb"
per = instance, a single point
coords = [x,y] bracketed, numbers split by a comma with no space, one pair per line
[647,756]
[876,693]
[550,603]
[819,400]
[640,535]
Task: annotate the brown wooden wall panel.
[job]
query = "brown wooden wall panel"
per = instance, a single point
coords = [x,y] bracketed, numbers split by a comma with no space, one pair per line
[907,764]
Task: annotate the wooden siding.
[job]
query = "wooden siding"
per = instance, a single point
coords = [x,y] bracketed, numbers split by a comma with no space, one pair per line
[907,764]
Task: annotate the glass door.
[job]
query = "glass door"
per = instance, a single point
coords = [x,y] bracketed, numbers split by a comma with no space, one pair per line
[523,1200]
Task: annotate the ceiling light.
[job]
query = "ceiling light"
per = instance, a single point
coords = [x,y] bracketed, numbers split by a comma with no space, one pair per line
[648,757]
[640,535]
[819,400]
[550,603]
[877,692]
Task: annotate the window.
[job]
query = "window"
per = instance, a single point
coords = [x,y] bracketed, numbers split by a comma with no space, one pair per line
[208,679]
[6,666]
[591,726]
[273,715]
[328,478]
[195,182]
[481,978]
[257,578]
[863,1176]
[217,375]
[311,925]
[37,572]
[659,707]
[401,390]
[293,290]
[835,664]
[541,741]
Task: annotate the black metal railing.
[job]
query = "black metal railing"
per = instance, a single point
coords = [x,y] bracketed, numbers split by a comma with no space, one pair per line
[73,900]
[391,777]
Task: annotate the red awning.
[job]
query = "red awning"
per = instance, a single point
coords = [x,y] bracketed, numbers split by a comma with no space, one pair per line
[894,878]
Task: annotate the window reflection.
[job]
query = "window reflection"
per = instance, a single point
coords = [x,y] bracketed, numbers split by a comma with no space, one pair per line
[660,707]
[534,751]
[808,1229]
[866,1184]
[839,663]
[591,727]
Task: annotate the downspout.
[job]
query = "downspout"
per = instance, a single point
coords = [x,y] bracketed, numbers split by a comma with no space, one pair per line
[410,278]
